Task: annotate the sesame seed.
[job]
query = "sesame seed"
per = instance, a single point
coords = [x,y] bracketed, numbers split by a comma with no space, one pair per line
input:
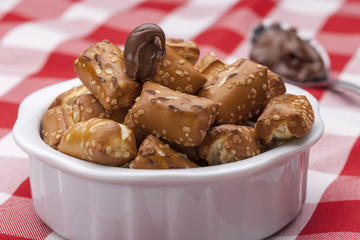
[113,101]
[109,69]
[108,149]
[242,81]
[97,69]
[140,112]
[179,72]
[179,89]
[187,129]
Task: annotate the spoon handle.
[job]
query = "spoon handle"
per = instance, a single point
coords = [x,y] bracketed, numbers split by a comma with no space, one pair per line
[327,84]
[349,86]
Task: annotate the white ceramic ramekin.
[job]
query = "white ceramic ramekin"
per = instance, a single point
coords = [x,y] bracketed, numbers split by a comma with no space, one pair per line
[249,199]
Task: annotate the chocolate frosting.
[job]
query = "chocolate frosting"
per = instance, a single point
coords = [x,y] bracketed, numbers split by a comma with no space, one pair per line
[144,50]
[283,52]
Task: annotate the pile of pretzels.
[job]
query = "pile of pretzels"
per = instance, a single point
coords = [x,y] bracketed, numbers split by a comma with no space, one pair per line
[156,106]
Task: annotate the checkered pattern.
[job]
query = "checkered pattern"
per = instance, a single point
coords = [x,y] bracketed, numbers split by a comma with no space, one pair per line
[39,39]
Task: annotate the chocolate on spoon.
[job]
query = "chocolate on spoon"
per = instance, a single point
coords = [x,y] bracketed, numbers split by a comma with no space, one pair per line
[299,61]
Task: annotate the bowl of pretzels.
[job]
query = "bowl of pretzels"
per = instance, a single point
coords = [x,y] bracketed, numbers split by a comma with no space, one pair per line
[150,142]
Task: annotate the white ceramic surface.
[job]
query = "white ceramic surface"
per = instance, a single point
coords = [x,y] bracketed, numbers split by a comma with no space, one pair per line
[250,199]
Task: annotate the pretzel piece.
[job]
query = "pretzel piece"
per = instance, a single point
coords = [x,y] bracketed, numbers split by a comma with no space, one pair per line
[187,49]
[101,69]
[229,143]
[172,115]
[154,154]
[139,135]
[179,74]
[58,118]
[210,65]
[87,106]
[276,85]
[53,126]
[240,89]
[100,141]
[285,117]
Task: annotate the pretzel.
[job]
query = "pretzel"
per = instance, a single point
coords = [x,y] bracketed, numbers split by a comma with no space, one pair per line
[285,117]
[100,141]
[86,106]
[139,135]
[154,154]
[240,89]
[179,74]
[210,65]
[229,143]
[276,85]
[58,118]
[187,49]
[53,125]
[101,69]
[66,99]
[172,115]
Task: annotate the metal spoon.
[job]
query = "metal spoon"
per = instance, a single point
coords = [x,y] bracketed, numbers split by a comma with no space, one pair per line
[325,83]
[318,83]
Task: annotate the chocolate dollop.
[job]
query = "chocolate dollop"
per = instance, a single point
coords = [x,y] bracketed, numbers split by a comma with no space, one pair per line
[286,54]
[144,50]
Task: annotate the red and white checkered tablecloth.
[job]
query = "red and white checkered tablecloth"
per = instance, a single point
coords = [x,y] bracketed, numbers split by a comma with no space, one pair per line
[39,40]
